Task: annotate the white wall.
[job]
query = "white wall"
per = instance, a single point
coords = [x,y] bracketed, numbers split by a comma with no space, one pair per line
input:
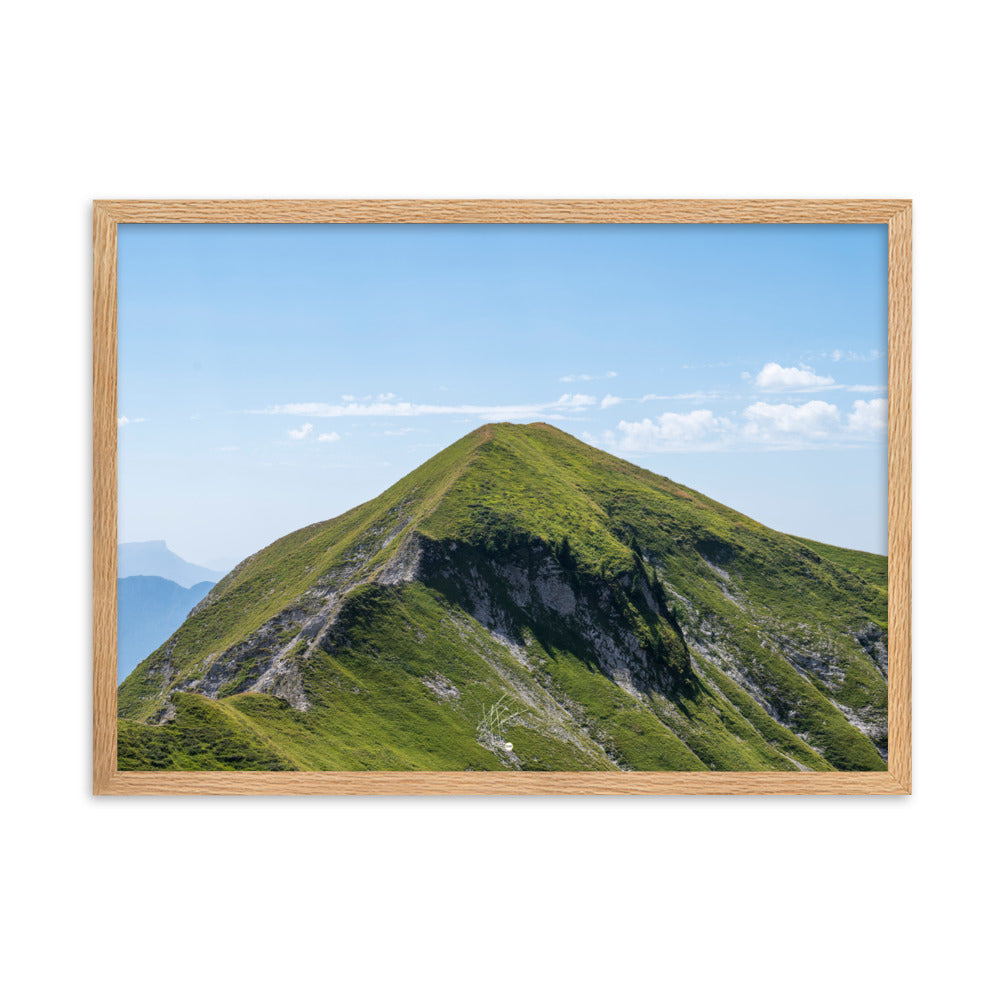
[824,898]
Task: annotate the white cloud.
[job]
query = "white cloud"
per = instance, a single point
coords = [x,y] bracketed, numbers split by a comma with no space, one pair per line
[304,431]
[122,421]
[329,436]
[767,423]
[674,432]
[838,355]
[574,401]
[610,400]
[773,378]
[869,417]
[382,397]
[400,432]
[567,403]
[587,378]
[813,423]
[760,426]
[681,395]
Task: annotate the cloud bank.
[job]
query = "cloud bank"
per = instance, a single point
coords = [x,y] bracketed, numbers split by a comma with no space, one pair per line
[783,426]
[699,430]
[386,407]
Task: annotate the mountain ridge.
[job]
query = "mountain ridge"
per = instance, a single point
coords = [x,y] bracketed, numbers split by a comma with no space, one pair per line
[626,620]
[153,558]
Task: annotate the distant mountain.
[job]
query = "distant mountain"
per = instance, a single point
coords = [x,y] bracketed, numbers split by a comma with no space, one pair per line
[155,559]
[150,608]
[524,601]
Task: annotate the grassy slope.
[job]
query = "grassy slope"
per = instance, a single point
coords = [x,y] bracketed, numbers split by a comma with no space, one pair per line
[385,665]
[206,735]
[546,479]
[494,484]
[269,580]
[867,566]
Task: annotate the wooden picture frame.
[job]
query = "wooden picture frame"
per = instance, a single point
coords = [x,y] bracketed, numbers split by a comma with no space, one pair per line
[107,215]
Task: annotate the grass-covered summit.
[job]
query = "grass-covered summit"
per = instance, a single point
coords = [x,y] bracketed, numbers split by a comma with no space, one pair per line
[525,601]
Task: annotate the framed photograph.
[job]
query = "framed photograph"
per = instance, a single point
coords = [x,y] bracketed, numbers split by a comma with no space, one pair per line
[502,497]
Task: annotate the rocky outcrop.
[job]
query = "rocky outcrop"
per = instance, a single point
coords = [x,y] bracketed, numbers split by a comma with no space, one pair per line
[527,586]
[874,641]
[505,592]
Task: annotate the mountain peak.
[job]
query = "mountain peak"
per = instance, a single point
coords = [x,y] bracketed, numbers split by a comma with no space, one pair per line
[517,427]
[627,622]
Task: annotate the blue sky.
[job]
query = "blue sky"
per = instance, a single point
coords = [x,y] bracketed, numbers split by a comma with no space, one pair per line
[274,376]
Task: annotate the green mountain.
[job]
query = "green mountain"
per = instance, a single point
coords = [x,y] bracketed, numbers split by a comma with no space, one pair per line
[525,601]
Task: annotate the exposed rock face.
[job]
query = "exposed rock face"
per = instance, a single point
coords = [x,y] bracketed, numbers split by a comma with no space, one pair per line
[441,686]
[819,658]
[504,592]
[268,661]
[405,565]
[822,664]
[527,585]
[874,641]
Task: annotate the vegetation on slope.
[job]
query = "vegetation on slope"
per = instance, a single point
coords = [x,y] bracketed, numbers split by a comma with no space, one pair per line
[745,654]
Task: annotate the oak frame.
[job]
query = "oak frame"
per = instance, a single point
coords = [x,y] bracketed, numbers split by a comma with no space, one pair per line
[107,780]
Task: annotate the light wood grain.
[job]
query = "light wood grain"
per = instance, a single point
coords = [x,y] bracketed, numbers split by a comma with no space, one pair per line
[501,211]
[105,497]
[895,214]
[900,593]
[501,783]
